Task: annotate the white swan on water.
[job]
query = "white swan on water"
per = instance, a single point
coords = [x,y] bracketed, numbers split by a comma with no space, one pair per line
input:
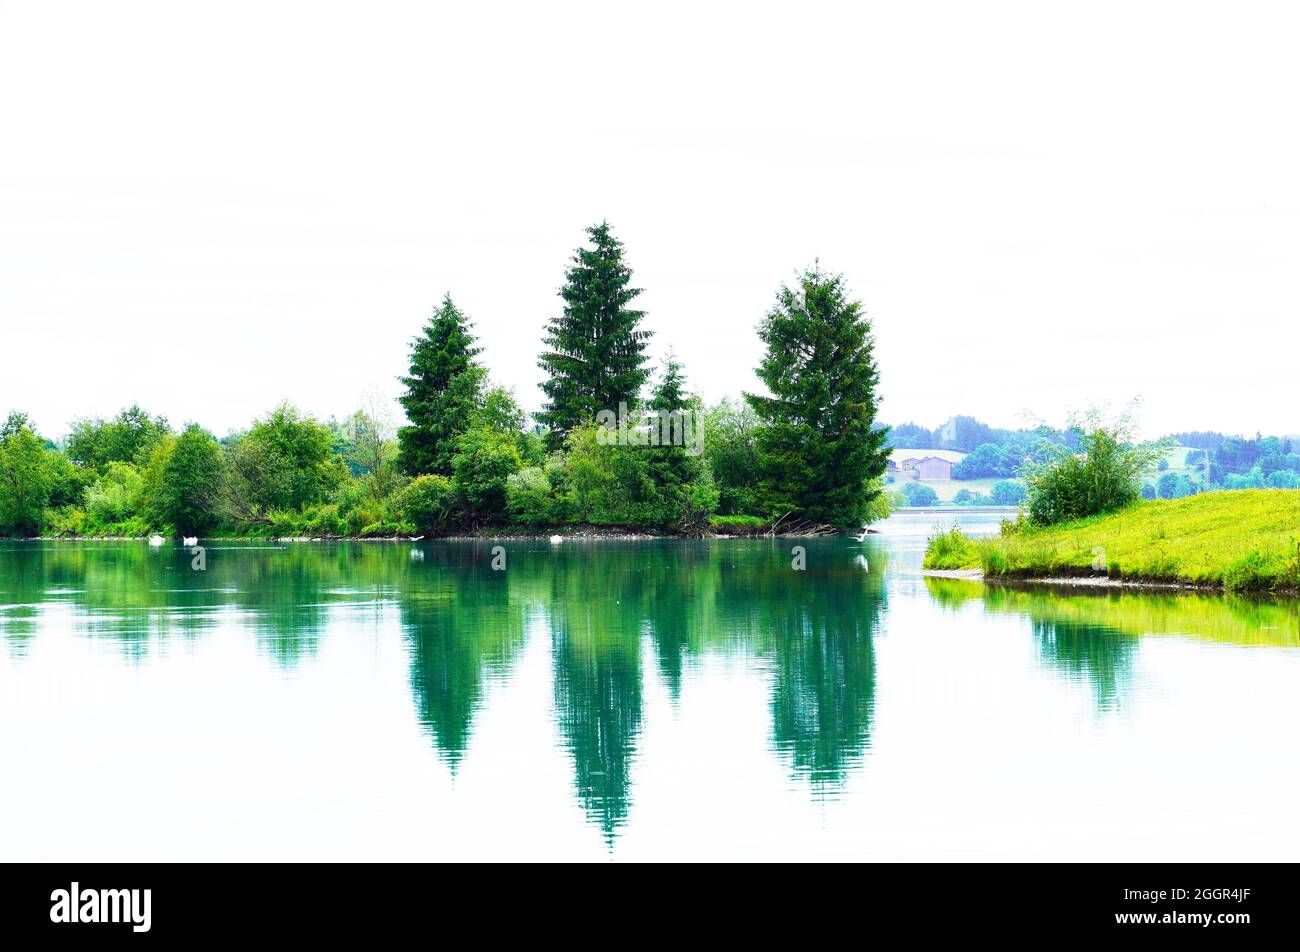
[189,540]
[556,540]
[863,537]
[156,540]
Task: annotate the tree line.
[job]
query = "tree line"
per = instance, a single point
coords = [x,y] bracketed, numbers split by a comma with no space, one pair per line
[806,452]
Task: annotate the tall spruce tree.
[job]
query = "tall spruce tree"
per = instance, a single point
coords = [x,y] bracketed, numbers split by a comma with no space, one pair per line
[595,351]
[441,392]
[818,450]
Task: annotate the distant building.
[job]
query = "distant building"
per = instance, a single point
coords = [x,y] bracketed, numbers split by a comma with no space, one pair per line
[923,464]
[933,467]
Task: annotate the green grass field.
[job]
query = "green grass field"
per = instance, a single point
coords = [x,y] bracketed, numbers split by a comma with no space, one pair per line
[1245,540]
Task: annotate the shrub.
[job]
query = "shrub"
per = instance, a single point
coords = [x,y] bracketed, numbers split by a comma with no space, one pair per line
[699,500]
[484,460]
[920,495]
[950,549]
[528,496]
[1106,477]
[1283,480]
[1007,493]
[115,496]
[426,503]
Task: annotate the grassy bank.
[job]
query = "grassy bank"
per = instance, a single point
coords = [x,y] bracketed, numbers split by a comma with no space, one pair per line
[1247,540]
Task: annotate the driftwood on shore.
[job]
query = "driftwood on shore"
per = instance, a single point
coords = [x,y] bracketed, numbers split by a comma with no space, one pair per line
[785,526]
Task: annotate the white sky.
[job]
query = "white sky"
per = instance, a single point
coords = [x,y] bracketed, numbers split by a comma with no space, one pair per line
[207,208]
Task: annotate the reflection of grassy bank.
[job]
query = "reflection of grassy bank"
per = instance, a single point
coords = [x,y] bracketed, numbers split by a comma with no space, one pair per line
[1246,540]
[1226,619]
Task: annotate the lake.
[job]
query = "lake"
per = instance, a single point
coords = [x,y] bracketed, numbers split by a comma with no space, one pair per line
[629,700]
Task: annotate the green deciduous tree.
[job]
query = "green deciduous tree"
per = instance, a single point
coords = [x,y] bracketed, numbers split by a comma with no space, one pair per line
[284,462]
[26,480]
[426,502]
[442,390]
[731,449]
[184,481]
[488,453]
[595,350]
[1007,493]
[127,438]
[918,494]
[818,449]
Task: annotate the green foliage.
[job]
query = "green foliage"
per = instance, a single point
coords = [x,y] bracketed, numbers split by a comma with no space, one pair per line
[127,438]
[1174,486]
[528,496]
[1007,493]
[818,448]
[595,350]
[283,463]
[731,452]
[27,478]
[485,459]
[116,496]
[610,484]
[1106,477]
[184,481]
[698,500]
[488,453]
[366,445]
[442,392]
[427,502]
[882,503]
[950,549]
[987,460]
[15,422]
[1283,480]
[919,494]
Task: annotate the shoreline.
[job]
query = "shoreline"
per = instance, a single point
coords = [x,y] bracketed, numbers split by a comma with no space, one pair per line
[1101,583]
[505,535]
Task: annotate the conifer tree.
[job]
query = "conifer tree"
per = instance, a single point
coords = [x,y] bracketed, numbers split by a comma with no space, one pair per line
[818,449]
[669,401]
[441,392]
[670,392]
[595,351]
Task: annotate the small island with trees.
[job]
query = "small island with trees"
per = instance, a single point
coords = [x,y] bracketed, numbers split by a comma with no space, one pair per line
[806,456]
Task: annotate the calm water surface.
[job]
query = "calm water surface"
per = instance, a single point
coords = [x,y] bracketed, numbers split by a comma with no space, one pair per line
[629,700]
